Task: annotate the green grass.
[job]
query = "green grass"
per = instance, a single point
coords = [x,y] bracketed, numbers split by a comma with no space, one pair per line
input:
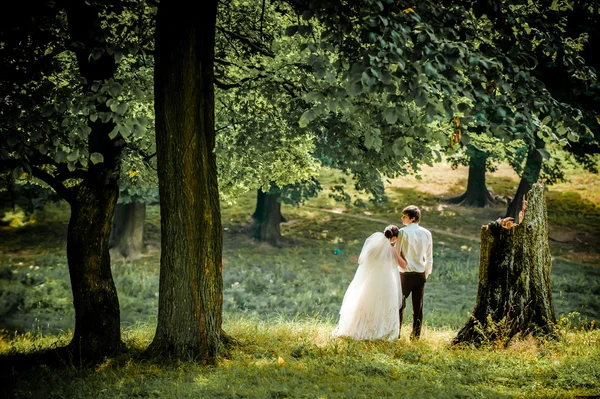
[297,359]
[283,303]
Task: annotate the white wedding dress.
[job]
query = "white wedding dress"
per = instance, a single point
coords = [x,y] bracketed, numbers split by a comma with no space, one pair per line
[370,309]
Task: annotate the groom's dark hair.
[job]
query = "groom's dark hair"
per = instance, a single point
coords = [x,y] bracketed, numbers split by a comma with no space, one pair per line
[412,212]
[391,231]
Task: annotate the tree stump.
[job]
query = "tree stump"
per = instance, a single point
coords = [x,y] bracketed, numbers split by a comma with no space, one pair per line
[514,295]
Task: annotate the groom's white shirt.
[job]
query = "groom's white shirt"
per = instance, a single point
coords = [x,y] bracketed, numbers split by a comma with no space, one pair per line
[417,246]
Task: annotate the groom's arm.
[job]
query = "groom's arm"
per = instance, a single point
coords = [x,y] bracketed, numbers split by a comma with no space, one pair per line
[428,256]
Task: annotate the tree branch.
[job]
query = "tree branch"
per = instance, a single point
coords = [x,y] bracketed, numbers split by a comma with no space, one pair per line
[227,86]
[53,182]
[247,41]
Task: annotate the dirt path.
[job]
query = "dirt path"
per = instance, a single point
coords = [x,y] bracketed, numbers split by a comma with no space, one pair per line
[386,222]
[433,230]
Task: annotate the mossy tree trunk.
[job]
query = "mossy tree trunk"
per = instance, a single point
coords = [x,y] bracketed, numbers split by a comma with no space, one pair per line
[190,283]
[268,218]
[127,234]
[477,194]
[531,174]
[514,295]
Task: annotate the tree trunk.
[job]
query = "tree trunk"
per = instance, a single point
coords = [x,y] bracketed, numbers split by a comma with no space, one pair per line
[268,218]
[191,283]
[531,174]
[477,194]
[514,295]
[97,316]
[127,234]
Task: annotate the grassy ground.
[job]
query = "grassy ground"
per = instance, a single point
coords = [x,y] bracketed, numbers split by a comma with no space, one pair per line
[283,302]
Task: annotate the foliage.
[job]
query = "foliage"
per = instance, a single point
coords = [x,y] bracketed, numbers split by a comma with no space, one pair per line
[49,106]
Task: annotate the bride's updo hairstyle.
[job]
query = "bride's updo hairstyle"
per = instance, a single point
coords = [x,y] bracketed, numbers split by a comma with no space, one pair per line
[391,231]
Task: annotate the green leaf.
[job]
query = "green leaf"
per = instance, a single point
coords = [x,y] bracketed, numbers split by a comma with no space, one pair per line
[391,116]
[96,53]
[113,133]
[320,72]
[122,109]
[73,156]
[17,173]
[398,147]
[47,110]
[93,117]
[96,157]
[465,139]
[545,154]
[60,156]
[356,88]
[291,30]
[115,89]
[421,100]
[367,80]
[430,69]
[546,120]
[307,14]
[386,77]
[133,48]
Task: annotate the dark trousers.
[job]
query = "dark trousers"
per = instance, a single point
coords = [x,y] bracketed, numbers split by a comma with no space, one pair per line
[413,283]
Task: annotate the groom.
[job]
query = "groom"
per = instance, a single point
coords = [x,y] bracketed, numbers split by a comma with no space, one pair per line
[416,246]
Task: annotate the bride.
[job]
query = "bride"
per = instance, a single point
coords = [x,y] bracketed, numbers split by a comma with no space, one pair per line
[371,305]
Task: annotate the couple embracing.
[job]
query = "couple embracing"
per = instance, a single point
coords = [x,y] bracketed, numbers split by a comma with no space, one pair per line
[392,266]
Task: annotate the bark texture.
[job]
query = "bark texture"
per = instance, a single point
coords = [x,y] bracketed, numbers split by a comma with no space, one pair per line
[127,234]
[267,218]
[97,316]
[477,194]
[514,295]
[190,291]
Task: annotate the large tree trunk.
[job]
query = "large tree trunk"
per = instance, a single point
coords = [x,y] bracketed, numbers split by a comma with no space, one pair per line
[477,194]
[191,284]
[97,317]
[514,295]
[531,174]
[127,234]
[268,217]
